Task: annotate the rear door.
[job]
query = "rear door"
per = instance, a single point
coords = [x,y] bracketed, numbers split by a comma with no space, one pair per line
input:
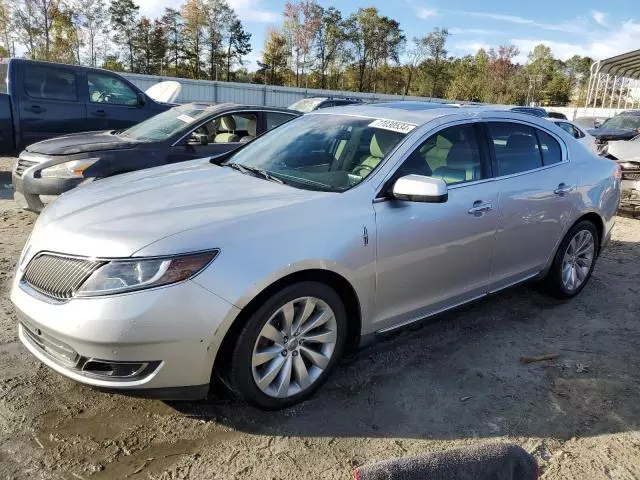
[537,189]
[50,103]
[112,102]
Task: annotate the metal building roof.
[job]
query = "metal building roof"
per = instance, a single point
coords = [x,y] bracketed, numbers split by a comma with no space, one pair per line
[623,65]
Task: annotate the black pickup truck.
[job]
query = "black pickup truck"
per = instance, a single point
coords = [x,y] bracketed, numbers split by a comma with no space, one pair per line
[45,100]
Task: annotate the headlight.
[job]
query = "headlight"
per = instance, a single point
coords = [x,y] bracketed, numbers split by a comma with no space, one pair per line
[71,169]
[120,276]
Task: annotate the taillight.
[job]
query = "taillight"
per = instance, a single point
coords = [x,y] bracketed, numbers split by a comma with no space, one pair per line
[618,172]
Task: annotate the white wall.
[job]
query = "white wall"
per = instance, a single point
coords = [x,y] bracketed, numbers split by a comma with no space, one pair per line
[575,112]
[276,96]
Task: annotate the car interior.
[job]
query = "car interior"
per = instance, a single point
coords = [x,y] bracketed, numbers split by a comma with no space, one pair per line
[344,158]
[229,128]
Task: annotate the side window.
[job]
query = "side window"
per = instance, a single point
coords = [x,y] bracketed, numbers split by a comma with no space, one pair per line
[50,83]
[551,152]
[567,127]
[516,147]
[229,128]
[577,132]
[452,154]
[110,90]
[274,119]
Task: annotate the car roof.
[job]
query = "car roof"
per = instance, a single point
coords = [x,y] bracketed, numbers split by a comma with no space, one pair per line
[224,107]
[411,112]
[420,113]
[629,113]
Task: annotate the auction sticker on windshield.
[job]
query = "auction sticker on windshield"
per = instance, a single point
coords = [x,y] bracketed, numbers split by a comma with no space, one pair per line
[393,125]
[185,118]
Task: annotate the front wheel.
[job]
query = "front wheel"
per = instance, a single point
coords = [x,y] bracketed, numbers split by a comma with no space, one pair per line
[574,261]
[289,346]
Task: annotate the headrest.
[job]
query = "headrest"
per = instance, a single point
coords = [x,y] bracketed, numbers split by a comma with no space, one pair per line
[228,123]
[521,141]
[381,142]
[461,155]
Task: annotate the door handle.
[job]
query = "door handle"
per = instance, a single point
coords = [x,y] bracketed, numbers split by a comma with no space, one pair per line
[36,109]
[99,113]
[479,207]
[563,189]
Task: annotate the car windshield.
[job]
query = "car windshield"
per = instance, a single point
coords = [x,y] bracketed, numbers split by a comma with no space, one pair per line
[322,152]
[306,105]
[622,122]
[165,124]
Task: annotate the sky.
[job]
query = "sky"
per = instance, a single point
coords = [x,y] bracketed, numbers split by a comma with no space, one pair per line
[596,28]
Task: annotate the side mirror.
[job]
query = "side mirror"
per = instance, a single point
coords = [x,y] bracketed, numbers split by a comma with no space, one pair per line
[141,100]
[418,188]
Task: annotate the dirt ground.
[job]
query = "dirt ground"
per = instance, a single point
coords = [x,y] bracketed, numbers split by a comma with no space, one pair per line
[455,381]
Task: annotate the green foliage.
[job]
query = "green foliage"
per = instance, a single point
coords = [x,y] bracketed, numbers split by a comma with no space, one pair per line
[316,47]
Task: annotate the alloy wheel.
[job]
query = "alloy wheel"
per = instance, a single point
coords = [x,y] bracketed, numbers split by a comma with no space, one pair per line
[578,259]
[294,347]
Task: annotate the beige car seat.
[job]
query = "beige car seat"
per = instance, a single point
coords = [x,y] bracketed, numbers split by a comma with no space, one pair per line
[228,124]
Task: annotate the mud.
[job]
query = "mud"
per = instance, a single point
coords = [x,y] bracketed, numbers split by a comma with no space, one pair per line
[456,380]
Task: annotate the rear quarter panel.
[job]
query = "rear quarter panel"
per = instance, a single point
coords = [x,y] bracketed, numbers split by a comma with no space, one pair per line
[598,188]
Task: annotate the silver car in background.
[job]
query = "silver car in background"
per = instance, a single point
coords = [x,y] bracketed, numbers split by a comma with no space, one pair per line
[266,264]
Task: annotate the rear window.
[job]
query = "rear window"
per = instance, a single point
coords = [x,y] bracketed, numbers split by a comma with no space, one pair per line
[50,83]
[550,148]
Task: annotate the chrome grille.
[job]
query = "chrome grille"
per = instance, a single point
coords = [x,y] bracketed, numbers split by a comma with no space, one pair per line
[22,165]
[58,277]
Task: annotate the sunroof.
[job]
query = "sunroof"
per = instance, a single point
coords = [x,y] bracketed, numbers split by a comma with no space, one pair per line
[412,105]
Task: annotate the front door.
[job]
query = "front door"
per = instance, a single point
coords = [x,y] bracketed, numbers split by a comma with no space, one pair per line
[431,256]
[537,188]
[219,135]
[113,104]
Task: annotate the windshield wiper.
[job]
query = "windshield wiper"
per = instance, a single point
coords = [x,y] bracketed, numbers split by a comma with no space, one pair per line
[257,172]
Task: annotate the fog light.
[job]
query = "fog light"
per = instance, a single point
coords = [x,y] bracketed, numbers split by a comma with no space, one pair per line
[118,370]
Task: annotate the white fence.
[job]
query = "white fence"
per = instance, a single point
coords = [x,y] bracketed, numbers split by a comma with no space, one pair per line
[276,96]
[254,94]
[575,112]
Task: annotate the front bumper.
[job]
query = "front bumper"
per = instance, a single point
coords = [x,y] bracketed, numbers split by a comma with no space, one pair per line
[170,332]
[630,196]
[33,193]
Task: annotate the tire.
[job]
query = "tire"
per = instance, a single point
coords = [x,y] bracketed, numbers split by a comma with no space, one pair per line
[244,378]
[553,282]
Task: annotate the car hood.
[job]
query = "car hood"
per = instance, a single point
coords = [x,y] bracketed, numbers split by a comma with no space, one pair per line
[121,215]
[612,133]
[80,143]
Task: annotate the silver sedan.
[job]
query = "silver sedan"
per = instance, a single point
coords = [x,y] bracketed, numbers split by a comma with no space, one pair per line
[265,265]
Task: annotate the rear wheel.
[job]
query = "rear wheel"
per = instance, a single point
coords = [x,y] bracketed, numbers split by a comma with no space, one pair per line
[574,261]
[289,345]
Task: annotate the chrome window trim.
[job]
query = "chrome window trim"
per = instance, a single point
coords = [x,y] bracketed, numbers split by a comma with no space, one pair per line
[470,120]
[563,145]
[175,144]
